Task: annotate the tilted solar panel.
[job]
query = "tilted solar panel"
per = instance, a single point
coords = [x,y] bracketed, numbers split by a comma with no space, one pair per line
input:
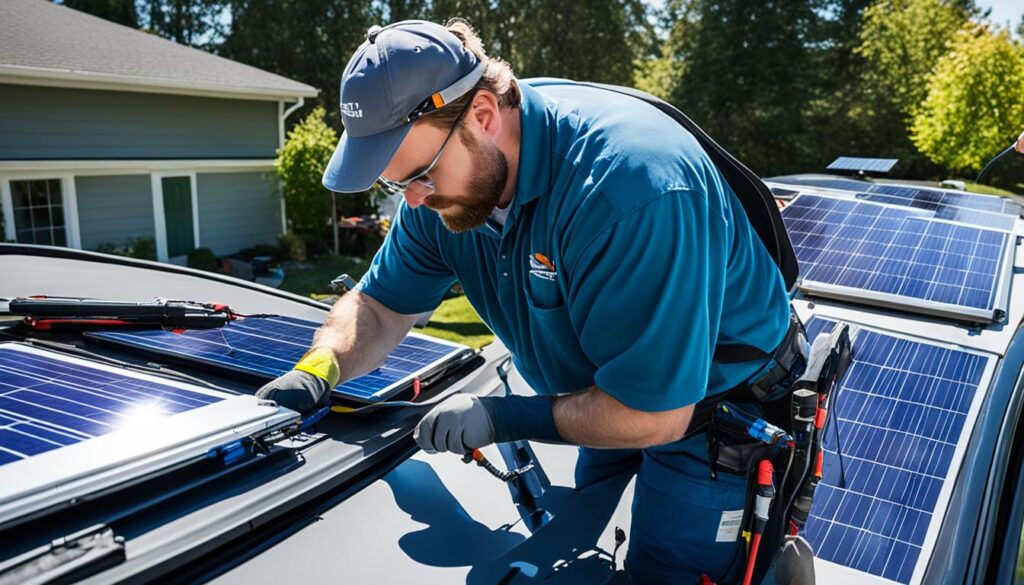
[893,256]
[71,427]
[903,413]
[969,208]
[866,165]
[266,347]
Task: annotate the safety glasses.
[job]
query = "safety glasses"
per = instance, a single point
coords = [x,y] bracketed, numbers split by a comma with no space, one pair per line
[424,184]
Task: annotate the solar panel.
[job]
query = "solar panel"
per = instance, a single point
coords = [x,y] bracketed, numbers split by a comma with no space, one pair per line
[903,412]
[70,427]
[863,165]
[894,256]
[266,347]
[968,208]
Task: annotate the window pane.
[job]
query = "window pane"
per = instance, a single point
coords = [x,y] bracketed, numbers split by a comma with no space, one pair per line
[25,237]
[44,236]
[37,193]
[19,193]
[22,219]
[40,217]
[57,216]
[59,237]
[54,185]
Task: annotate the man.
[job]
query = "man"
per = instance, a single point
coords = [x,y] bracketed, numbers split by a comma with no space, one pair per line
[595,238]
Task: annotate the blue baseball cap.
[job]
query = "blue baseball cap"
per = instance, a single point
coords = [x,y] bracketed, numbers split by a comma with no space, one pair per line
[402,71]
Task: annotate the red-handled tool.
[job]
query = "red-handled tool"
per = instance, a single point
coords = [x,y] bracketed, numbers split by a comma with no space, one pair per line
[762,504]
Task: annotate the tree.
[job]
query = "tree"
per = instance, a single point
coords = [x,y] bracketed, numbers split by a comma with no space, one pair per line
[306,40]
[196,23]
[975,99]
[747,73]
[900,51]
[119,11]
[300,166]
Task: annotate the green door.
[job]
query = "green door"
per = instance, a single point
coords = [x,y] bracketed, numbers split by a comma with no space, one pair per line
[178,215]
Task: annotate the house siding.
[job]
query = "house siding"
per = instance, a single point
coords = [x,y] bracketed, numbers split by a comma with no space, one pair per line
[114,209]
[47,123]
[237,210]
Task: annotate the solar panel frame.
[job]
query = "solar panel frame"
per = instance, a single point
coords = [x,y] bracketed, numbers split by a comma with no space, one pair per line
[829,571]
[295,338]
[101,462]
[1000,287]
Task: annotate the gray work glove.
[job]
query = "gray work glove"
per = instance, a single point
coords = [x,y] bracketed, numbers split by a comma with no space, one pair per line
[297,390]
[459,425]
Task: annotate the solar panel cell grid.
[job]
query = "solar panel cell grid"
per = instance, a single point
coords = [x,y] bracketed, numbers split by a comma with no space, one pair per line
[46,403]
[900,412]
[870,165]
[895,252]
[968,208]
[267,347]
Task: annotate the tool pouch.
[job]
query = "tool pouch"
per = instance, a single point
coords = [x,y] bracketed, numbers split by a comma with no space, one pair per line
[732,450]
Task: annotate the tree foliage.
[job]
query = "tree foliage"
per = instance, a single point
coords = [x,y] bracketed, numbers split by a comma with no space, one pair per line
[900,53]
[975,100]
[196,23]
[119,11]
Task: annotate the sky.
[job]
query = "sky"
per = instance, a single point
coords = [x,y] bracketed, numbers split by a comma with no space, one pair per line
[1004,10]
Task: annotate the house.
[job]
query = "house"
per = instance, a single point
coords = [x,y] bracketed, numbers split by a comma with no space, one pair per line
[109,134]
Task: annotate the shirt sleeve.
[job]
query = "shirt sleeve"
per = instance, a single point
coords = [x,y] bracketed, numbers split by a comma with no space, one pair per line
[645,298]
[408,274]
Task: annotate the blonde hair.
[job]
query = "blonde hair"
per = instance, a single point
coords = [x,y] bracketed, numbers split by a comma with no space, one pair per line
[497,78]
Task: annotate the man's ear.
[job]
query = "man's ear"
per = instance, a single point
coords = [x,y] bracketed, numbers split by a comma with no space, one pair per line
[486,113]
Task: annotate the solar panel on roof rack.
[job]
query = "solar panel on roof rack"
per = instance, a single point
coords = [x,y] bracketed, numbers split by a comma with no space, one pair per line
[863,165]
[894,256]
[903,412]
[969,208]
[266,347]
[70,427]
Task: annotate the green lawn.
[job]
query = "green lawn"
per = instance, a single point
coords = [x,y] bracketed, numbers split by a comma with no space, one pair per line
[455,320]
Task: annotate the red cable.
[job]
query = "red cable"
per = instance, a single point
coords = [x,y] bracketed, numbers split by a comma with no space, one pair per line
[415,389]
[754,543]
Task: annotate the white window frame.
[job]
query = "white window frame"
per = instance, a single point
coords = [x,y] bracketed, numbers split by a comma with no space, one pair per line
[69,201]
[160,221]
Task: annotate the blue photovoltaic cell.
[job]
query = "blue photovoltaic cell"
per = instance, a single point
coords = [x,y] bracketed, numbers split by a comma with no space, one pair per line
[47,403]
[269,346]
[970,208]
[868,165]
[900,411]
[895,251]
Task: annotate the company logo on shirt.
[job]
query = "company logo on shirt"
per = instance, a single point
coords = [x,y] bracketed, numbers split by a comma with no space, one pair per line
[542,267]
[351,109]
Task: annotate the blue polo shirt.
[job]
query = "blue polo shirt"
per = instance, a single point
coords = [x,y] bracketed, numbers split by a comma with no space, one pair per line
[624,259]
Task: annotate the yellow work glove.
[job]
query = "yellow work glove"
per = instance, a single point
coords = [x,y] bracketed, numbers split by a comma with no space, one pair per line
[308,386]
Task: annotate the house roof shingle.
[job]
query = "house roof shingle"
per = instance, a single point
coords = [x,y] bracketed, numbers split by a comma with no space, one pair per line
[41,40]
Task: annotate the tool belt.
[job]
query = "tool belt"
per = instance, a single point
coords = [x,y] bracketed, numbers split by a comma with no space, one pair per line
[786,362]
[778,416]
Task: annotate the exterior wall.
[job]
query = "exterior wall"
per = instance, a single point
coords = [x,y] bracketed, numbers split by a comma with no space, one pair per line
[237,210]
[114,209]
[48,123]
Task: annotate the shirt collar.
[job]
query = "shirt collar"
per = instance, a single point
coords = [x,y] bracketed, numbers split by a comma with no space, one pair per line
[533,178]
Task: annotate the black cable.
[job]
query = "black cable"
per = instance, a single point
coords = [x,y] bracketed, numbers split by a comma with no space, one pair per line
[997,157]
[833,411]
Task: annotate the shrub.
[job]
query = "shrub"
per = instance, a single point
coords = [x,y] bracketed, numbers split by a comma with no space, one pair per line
[143,247]
[293,247]
[300,166]
[203,259]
